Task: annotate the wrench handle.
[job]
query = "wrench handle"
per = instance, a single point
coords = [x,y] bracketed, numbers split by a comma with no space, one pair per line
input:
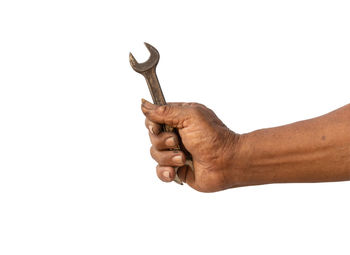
[154,86]
[156,92]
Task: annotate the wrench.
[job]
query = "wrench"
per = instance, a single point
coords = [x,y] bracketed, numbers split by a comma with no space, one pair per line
[148,70]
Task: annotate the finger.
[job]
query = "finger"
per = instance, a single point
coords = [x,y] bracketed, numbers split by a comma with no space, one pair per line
[168,158]
[186,175]
[165,173]
[152,127]
[174,114]
[164,141]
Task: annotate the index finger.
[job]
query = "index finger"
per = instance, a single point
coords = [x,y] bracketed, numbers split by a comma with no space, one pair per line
[154,128]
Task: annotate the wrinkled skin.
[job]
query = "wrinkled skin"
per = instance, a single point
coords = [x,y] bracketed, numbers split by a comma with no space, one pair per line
[314,150]
[209,141]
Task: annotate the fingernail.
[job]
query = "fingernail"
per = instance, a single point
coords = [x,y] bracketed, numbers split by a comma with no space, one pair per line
[170,141]
[166,174]
[177,159]
[151,129]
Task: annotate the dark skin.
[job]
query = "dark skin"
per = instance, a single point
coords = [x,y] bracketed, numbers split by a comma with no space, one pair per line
[314,150]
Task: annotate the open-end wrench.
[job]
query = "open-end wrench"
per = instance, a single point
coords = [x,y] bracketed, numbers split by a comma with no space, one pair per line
[148,70]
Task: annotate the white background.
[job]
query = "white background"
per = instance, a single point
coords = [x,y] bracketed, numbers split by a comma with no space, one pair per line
[75,172]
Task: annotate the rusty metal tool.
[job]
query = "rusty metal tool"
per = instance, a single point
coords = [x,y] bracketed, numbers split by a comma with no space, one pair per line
[148,70]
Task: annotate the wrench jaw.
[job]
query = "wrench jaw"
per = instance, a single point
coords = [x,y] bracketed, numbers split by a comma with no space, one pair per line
[149,64]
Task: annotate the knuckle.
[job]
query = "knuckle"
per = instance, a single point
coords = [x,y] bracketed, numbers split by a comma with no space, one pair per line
[196,109]
[196,104]
[153,152]
[158,171]
[199,107]
[202,106]
[164,109]
[166,140]
[148,123]
[156,143]
[160,175]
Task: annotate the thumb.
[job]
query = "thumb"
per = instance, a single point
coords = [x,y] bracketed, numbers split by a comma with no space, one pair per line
[173,114]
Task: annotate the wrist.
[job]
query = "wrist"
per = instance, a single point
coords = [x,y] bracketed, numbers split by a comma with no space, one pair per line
[236,171]
[242,172]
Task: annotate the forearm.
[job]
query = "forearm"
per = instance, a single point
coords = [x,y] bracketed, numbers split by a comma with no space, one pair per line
[315,150]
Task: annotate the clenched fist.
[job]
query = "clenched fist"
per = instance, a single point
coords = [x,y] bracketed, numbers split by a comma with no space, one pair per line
[314,150]
[211,144]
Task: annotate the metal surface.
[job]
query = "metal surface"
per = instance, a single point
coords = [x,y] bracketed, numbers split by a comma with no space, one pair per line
[148,70]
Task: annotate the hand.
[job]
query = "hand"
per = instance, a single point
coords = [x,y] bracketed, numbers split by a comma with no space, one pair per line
[212,145]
